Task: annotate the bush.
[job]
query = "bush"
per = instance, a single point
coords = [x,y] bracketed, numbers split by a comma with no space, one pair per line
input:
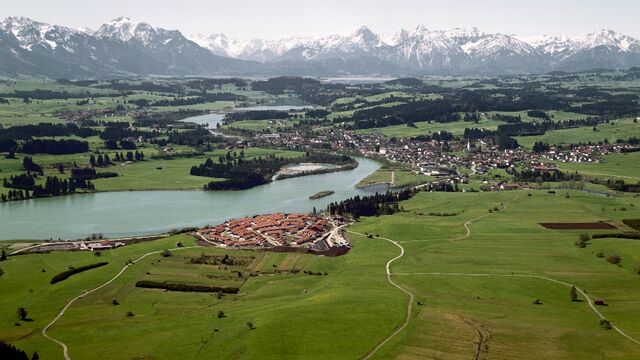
[605,324]
[115,302]
[130,314]
[613,258]
[66,274]
[600,255]
[221,314]
[583,240]
[537,302]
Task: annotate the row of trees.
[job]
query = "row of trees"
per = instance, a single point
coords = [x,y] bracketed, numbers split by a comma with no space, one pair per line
[378,204]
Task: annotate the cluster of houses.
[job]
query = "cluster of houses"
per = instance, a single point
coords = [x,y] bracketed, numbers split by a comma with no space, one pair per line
[274,230]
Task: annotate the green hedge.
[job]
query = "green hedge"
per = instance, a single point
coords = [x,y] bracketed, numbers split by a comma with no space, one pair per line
[635,236]
[65,274]
[171,286]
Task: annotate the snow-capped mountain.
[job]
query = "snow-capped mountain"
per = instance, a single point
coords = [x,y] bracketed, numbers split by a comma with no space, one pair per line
[126,47]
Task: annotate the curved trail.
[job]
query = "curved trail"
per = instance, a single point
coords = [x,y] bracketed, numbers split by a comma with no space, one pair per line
[65,349]
[409,302]
[582,292]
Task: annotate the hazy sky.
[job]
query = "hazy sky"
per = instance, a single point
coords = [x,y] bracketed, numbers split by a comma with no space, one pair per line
[276,18]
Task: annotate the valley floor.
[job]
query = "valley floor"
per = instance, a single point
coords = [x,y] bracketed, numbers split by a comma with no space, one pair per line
[469,282]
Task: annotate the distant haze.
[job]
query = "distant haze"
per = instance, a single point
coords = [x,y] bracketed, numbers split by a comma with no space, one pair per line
[277,18]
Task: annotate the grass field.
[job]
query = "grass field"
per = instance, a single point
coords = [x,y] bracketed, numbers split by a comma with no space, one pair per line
[618,129]
[352,308]
[620,166]
[150,174]
[426,128]
[504,243]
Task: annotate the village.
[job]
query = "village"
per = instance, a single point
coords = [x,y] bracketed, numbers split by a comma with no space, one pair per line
[277,231]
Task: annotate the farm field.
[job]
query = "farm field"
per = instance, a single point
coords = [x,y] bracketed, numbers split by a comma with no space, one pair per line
[352,306]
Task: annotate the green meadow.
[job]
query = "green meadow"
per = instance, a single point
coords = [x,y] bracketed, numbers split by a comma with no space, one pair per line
[353,307]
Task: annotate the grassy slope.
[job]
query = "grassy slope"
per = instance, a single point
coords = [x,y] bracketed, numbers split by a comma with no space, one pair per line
[620,129]
[512,241]
[349,308]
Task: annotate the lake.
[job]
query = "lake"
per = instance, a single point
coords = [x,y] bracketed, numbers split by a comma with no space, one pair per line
[117,214]
[212,120]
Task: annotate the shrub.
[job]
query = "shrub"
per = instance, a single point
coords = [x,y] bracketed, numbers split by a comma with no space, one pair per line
[537,302]
[605,324]
[600,255]
[221,314]
[72,271]
[613,258]
[166,253]
[130,314]
[115,302]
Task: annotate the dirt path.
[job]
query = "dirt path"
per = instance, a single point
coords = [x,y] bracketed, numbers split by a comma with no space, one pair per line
[65,349]
[582,292]
[410,294]
[393,283]
[483,339]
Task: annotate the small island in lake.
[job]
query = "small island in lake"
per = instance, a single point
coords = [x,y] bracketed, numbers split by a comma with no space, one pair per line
[321,194]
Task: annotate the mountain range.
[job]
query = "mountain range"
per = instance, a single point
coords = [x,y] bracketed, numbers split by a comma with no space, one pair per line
[123,47]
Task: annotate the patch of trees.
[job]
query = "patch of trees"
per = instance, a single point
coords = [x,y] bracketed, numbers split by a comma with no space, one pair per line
[24,132]
[72,271]
[540,147]
[618,185]
[540,114]
[90,174]
[52,95]
[53,186]
[511,119]
[22,181]
[195,137]
[240,173]
[374,205]
[162,119]
[632,223]
[406,82]
[172,286]
[10,352]
[529,175]
[30,166]
[279,85]
[201,99]
[616,106]
[119,131]
[8,146]
[317,113]
[54,147]
[209,84]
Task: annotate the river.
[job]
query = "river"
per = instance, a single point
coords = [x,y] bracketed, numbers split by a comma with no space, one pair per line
[118,214]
